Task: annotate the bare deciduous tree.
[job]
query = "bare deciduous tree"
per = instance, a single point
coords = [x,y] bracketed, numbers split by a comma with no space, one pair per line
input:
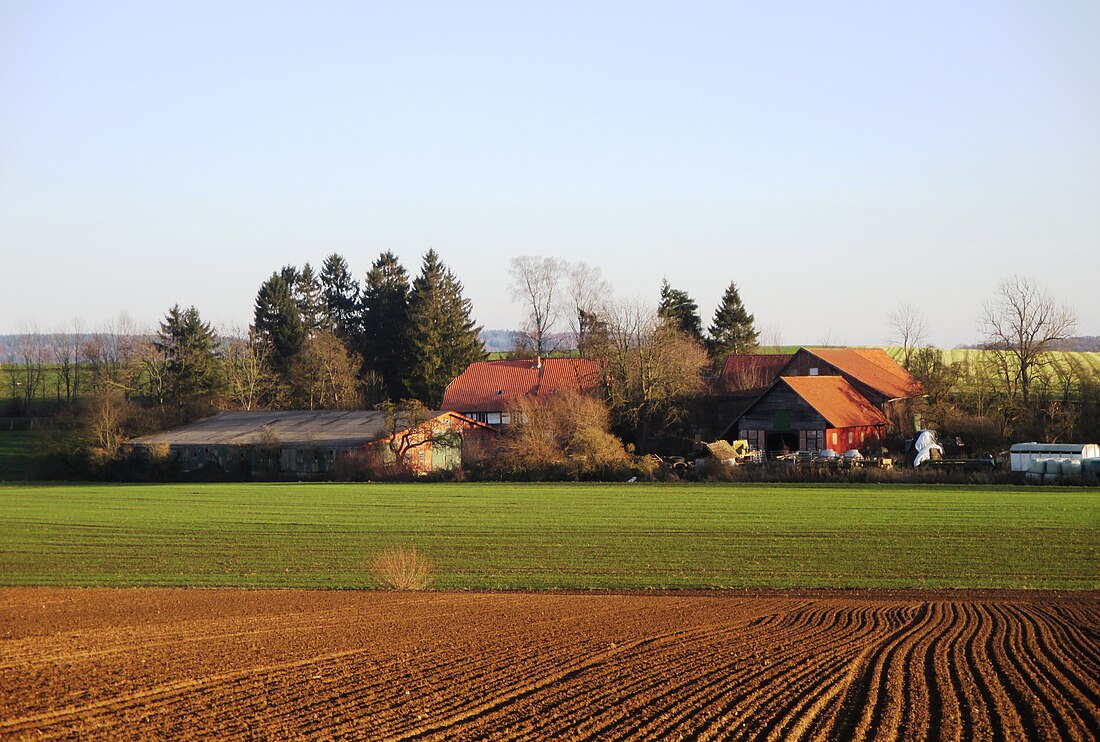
[772,337]
[104,419]
[535,283]
[246,371]
[570,429]
[589,294]
[65,348]
[325,374]
[29,368]
[908,330]
[410,426]
[1020,324]
[109,351]
[651,369]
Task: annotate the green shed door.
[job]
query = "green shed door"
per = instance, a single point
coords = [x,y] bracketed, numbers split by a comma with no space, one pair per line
[781,421]
[447,452]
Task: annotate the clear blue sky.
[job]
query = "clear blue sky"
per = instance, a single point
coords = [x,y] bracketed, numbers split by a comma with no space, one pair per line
[834,159]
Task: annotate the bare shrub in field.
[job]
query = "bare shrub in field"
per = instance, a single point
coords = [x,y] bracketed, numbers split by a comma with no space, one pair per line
[398,568]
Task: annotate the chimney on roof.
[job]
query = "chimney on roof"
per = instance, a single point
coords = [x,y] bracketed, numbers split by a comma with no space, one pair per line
[538,361]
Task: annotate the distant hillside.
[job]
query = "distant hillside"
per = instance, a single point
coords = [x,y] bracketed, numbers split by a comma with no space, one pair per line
[497,341]
[502,341]
[1080,344]
[1083,344]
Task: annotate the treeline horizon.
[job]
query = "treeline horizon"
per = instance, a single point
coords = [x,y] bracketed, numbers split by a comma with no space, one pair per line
[321,339]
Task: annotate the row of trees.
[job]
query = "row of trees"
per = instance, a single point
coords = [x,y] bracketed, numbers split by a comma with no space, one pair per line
[325,340]
[552,290]
[389,339]
[655,358]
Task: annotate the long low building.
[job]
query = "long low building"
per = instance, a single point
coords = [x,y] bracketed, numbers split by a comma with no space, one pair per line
[314,442]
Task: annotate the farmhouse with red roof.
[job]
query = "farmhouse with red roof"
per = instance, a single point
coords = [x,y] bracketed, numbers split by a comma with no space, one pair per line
[485,389]
[837,398]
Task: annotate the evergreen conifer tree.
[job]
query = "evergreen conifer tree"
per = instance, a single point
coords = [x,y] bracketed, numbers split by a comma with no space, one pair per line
[310,300]
[385,323]
[680,310]
[340,294]
[733,330]
[289,273]
[278,321]
[192,368]
[443,337]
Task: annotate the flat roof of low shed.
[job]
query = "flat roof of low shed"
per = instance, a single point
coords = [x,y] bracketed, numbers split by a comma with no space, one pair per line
[325,428]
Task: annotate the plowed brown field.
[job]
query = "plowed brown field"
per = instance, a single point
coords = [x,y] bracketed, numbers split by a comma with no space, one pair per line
[817,665]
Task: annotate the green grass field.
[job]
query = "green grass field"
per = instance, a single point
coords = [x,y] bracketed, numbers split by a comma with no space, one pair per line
[552,536]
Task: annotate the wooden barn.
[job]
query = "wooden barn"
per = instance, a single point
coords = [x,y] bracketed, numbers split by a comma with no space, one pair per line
[877,376]
[486,389]
[307,443]
[810,413]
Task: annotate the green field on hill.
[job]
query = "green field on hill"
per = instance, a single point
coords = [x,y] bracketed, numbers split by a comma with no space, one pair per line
[503,536]
[972,360]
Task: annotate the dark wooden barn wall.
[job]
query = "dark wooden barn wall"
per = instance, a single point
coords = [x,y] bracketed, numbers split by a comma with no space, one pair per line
[782,398]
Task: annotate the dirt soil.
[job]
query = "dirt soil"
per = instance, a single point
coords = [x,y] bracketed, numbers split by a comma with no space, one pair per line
[762,665]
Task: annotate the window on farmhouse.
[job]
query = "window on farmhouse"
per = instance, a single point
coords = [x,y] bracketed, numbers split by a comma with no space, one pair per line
[834,437]
[813,371]
[493,418]
[505,418]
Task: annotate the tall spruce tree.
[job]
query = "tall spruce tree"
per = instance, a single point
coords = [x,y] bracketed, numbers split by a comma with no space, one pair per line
[340,294]
[384,315]
[680,310]
[193,372]
[289,273]
[733,330]
[443,337]
[310,300]
[278,321]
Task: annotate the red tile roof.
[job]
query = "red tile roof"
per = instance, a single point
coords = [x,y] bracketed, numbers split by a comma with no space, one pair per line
[836,400]
[873,367]
[751,371]
[488,386]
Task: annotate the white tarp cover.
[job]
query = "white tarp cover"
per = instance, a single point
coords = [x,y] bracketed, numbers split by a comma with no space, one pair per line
[925,445]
